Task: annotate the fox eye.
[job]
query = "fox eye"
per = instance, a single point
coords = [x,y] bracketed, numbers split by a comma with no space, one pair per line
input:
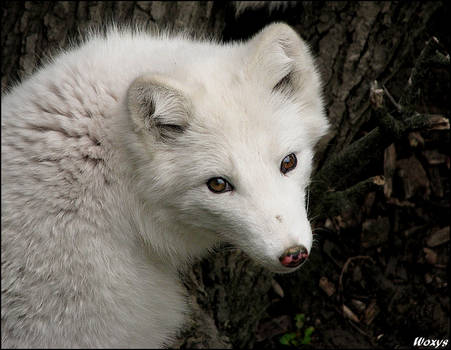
[219,185]
[288,163]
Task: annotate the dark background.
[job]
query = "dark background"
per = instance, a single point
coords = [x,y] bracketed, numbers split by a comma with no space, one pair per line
[381,255]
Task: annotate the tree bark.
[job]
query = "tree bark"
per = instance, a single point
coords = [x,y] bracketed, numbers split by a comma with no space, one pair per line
[355,43]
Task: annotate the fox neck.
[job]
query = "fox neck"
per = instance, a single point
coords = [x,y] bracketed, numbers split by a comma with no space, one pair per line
[177,243]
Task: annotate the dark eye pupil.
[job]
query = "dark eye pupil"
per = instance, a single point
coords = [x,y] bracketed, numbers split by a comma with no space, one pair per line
[218,185]
[288,163]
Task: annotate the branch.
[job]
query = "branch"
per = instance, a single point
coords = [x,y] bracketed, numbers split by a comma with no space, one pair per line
[419,72]
[334,203]
[347,166]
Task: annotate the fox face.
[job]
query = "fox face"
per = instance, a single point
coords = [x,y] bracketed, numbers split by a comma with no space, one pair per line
[228,148]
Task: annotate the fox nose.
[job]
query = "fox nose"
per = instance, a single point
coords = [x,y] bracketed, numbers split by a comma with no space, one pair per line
[294,256]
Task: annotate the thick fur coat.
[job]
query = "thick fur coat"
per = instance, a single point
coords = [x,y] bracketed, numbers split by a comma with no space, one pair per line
[106,154]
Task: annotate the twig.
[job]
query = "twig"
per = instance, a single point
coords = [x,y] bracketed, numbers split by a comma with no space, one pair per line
[334,202]
[418,72]
[392,100]
[345,268]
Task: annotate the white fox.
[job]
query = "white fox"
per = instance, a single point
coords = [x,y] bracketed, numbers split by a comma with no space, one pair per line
[128,156]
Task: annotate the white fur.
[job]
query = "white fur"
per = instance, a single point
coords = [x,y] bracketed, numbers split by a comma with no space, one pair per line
[100,212]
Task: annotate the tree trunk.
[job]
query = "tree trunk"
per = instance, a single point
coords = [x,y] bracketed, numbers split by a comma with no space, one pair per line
[355,43]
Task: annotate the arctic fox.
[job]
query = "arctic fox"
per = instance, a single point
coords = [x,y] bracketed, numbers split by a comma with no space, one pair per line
[128,156]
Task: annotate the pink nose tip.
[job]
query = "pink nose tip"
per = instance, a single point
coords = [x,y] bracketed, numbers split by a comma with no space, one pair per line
[294,256]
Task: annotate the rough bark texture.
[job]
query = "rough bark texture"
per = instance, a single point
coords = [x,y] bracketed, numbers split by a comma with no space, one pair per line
[355,43]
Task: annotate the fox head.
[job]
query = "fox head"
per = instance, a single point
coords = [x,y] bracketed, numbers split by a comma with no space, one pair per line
[224,143]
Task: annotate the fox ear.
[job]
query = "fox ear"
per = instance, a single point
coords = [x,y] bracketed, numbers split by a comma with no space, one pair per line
[281,60]
[157,105]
